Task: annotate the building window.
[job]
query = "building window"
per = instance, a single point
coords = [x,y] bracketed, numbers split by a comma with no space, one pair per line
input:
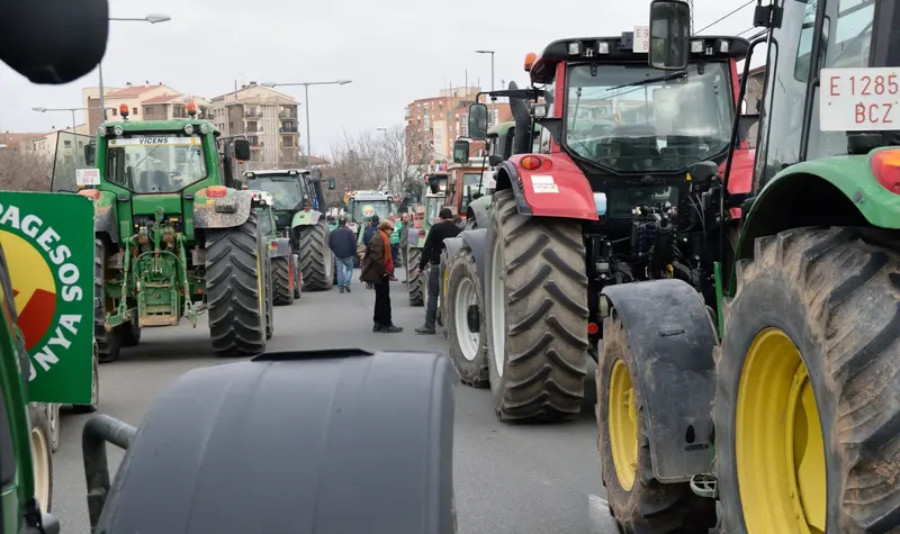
[134,111]
[287,141]
[115,111]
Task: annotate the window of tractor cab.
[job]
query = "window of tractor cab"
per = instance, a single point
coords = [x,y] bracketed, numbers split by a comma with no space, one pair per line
[155,163]
[632,118]
[365,209]
[265,223]
[472,179]
[286,190]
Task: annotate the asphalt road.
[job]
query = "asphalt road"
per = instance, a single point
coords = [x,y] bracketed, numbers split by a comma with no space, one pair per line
[509,479]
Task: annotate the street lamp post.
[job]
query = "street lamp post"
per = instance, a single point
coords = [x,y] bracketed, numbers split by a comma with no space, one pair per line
[152,19]
[390,176]
[306,101]
[491,52]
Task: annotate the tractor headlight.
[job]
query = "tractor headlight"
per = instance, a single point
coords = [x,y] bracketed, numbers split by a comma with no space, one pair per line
[189,129]
[117,131]
[101,131]
[203,129]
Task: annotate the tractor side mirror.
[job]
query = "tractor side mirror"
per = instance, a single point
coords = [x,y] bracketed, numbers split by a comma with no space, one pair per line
[331,183]
[90,154]
[461,151]
[241,149]
[435,189]
[478,121]
[670,34]
[495,159]
[703,172]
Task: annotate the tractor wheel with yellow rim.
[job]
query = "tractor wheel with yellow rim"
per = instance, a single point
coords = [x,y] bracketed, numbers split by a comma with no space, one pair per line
[806,409]
[639,503]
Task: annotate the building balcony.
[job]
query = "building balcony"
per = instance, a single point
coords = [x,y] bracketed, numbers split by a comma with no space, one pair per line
[288,129]
[287,115]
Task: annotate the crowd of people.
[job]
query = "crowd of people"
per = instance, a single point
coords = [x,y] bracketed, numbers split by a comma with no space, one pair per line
[385,243]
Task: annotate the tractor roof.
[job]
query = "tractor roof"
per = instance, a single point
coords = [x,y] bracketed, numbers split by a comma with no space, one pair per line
[276,172]
[160,126]
[620,50]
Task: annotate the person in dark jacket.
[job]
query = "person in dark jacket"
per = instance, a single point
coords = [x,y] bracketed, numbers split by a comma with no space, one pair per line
[431,253]
[343,244]
[370,229]
[378,269]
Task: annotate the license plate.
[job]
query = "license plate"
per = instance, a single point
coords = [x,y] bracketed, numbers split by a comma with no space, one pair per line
[853,100]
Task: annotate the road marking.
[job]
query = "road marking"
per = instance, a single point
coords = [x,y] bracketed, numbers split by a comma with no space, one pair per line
[599,520]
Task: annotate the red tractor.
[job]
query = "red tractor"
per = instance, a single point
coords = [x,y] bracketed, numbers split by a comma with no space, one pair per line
[622,188]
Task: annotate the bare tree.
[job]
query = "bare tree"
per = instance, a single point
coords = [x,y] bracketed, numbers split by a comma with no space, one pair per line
[24,170]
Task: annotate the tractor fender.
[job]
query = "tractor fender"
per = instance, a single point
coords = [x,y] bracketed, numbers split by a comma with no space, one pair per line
[475,240]
[558,189]
[478,212]
[305,218]
[322,441]
[227,212]
[453,245]
[105,221]
[282,247]
[672,337]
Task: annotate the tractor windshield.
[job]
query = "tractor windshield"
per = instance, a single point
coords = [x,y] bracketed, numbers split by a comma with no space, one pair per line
[473,180]
[155,163]
[631,118]
[364,209]
[285,190]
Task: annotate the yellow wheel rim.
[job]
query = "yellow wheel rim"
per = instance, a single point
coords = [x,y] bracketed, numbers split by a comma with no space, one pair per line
[623,434]
[778,441]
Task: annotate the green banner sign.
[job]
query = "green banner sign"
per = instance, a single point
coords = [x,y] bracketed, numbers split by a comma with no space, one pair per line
[48,241]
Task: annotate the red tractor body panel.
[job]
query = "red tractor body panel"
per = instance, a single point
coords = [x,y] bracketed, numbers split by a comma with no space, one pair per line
[557,189]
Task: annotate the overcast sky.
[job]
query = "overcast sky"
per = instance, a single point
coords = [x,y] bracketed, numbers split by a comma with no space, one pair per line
[395,51]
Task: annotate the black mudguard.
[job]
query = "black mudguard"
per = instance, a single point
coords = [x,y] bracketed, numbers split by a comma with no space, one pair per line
[475,241]
[228,212]
[334,441]
[283,248]
[105,222]
[672,337]
[516,185]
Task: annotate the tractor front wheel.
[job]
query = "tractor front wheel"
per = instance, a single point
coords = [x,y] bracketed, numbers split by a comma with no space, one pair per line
[236,288]
[416,279]
[464,305]
[537,314]
[316,258]
[41,455]
[806,408]
[638,502]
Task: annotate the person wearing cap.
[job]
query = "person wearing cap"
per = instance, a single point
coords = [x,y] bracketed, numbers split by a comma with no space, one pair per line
[431,253]
[343,243]
[378,270]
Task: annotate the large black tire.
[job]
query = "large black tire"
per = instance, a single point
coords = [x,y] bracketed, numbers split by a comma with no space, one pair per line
[538,351]
[270,299]
[94,405]
[42,457]
[468,349]
[298,278]
[283,280]
[416,279]
[236,287]
[638,502]
[316,258]
[108,343]
[831,299]
[291,427]
[130,333]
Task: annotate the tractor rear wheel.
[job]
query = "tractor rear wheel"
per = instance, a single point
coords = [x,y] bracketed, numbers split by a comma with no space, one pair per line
[236,288]
[108,342]
[416,279]
[283,280]
[637,501]
[537,314]
[270,299]
[806,411]
[316,258]
[130,333]
[465,309]
[41,455]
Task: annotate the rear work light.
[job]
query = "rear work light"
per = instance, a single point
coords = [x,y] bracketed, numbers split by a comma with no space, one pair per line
[533,163]
[216,191]
[886,168]
[92,194]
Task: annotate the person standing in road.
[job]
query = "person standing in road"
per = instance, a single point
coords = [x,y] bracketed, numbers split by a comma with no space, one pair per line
[431,253]
[378,269]
[370,229]
[343,244]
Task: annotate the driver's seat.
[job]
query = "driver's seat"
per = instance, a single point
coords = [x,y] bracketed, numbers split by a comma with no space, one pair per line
[154,181]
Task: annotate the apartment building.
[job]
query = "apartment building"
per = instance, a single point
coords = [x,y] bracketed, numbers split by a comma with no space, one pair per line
[145,102]
[433,124]
[269,120]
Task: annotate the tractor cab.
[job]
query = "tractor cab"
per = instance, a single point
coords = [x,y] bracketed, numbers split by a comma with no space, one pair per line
[290,190]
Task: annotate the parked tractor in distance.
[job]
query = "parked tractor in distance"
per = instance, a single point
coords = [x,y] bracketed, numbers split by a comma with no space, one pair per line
[174,237]
[300,215]
[363,205]
[423,217]
[285,274]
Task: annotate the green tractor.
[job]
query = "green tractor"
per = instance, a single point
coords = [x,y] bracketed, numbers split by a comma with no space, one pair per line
[287,280]
[782,415]
[300,215]
[174,235]
[423,217]
[364,205]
